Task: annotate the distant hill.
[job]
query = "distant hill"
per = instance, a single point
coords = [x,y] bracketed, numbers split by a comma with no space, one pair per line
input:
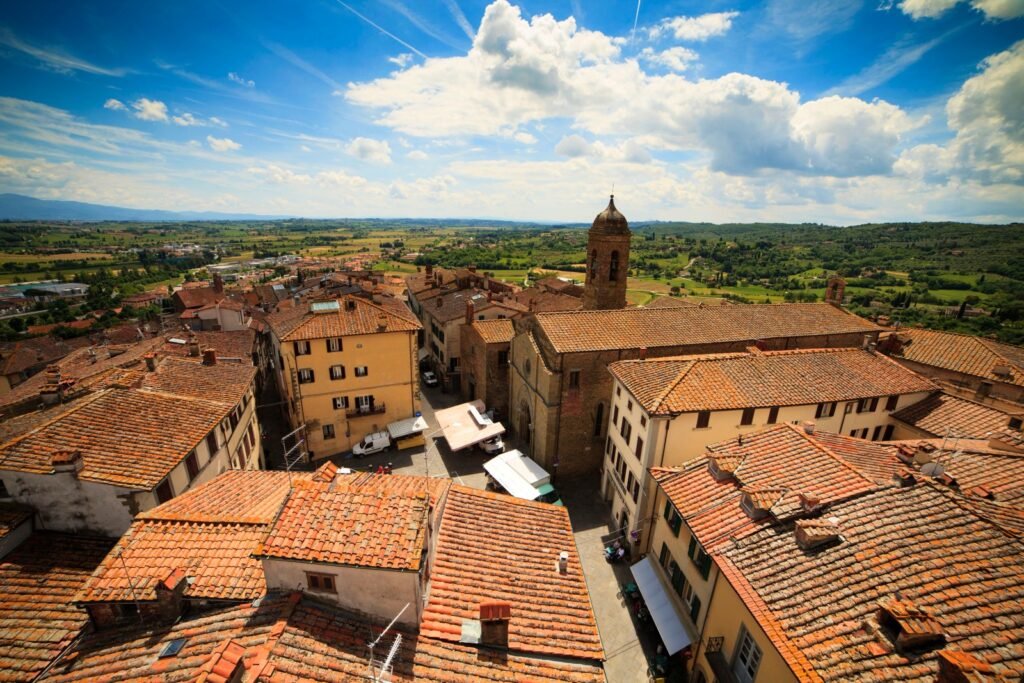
[22,208]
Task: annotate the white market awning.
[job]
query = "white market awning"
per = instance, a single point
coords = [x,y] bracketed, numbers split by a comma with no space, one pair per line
[670,626]
[465,425]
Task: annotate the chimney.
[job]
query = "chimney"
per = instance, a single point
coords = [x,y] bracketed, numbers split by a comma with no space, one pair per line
[382,322]
[867,342]
[227,664]
[170,594]
[430,271]
[150,362]
[193,345]
[563,562]
[904,476]
[809,501]
[808,426]
[494,618]
[814,533]
[963,667]
[439,302]
[472,269]
[218,284]
[209,356]
[67,462]
[52,391]
[643,352]
[470,312]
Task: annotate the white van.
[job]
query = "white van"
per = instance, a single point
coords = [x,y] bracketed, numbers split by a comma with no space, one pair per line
[376,442]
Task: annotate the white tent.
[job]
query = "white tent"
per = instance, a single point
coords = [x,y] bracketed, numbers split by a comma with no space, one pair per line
[466,425]
[659,604]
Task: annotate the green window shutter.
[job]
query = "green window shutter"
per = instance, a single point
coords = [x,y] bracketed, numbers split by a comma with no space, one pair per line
[705,566]
[668,509]
[692,548]
[694,608]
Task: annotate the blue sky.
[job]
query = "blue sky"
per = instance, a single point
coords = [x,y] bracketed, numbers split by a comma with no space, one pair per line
[839,111]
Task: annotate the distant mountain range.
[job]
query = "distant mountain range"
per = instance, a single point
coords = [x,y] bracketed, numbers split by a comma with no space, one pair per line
[22,208]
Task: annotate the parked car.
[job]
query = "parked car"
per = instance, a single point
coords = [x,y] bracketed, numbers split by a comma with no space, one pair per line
[429,378]
[372,443]
[400,434]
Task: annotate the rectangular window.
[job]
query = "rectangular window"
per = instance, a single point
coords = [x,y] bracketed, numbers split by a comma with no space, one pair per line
[301,348]
[875,434]
[334,345]
[675,521]
[864,433]
[211,443]
[164,492]
[639,449]
[703,419]
[320,583]
[361,371]
[748,657]
[608,444]
[574,379]
[328,431]
[629,480]
[615,416]
[364,404]
[825,410]
[643,420]
[748,416]
[636,491]
[192,465]
[700,558]
[502,357]
[890,403]
[853,432]
[665,556]
[873,406]
[626,431]
[306,376]
[337,372]
[340,402]
[629,406]
[618,391]
[887,434]
[773,415]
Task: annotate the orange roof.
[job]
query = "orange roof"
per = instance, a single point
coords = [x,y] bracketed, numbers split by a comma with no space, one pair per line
[494,547]
[495,331]
[37,580]
[973,464]
[349,527]
[919,544]
[941,412]
[634,328]
[224,382]
[13,516]
[773,466]
[669,386]
[127,437]
[291,641]
[453,304]
[209,533]
[364,317]
[963,353]
[233,344]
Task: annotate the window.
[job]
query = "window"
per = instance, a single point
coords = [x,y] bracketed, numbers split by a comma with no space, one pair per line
[164,492]
[675,522]
[1015,423]
[748,416]
[825,410]
[301,348]
[864,433]
[703,419]
[502,357]
[192,465]
[629,406]
[337,372]
[334,345]
[887,434]
[629,481]
[328,431]
[598,419]
[639,448]
[890,403]
[364,404]
[613,267]
[574,379]
[320,583]
[875,434]
[636,491]
[643,420]
[626,431]
[608,445]
[618,391]
[873,405]
[340,402]
[748,657]
[665,556]
[615,416]
[306,376]
[700,558]
[361,371]
[773,415]
[211,442]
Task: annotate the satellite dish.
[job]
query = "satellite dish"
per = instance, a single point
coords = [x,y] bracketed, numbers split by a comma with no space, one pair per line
[933,469]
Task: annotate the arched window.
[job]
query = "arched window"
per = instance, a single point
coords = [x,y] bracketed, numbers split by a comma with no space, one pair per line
[593,263]
[598,419]
[613,268]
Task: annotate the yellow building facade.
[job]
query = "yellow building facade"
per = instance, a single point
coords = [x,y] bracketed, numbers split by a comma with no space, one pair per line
[345,368]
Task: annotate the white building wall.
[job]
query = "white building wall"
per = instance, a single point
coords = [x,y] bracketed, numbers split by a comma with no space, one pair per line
[66,504]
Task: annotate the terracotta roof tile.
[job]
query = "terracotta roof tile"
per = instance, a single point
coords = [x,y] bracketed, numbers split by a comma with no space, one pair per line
[197,297]
[453,304]
[495,331]
[972,464]
[297,322]
[772,378]
[233,344]
[223,382]
[963,353]
[349,527]
[820,608]
[941,412]
[37,581]
[495,547]
[13,516]
[633,328]
[236,496]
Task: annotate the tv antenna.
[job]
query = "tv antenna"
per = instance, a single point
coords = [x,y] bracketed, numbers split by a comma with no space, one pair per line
[381,669]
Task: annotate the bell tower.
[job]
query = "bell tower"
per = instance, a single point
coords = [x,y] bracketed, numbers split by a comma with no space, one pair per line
[607,261]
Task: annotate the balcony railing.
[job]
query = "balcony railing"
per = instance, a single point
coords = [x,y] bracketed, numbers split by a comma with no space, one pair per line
[363,411]
[717,661]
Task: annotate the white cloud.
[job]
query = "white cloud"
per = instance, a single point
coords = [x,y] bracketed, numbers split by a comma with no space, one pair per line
[523,72]
[525,138]
[695,29]
[241,80]
[218,122]
[893,62]
[187,119]
[572,146]
[992,9]
[115,105]
[305,148]
[149,110]
[675,58]
[403,60]
[805,21]
[222,144]
[368,149]
[417,155]
[55,59]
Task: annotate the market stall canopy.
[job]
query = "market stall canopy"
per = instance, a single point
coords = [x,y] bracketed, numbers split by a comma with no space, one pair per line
[659,604]
[466,425]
